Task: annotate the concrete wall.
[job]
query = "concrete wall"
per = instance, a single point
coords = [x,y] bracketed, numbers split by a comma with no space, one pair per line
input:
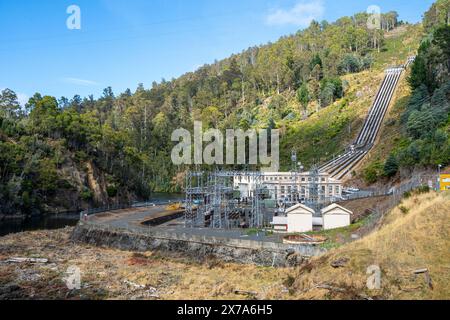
[229,250]
[300,222]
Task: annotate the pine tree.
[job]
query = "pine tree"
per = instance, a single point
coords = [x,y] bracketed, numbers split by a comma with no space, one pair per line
[9,105]
[418,73]
[303,96]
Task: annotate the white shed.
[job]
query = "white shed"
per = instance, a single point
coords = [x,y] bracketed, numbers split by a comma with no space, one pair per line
[335,216]
[300,218]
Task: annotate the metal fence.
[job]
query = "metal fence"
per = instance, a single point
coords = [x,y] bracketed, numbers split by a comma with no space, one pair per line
[430,181]
[109,208]
[155,203]
[396,193]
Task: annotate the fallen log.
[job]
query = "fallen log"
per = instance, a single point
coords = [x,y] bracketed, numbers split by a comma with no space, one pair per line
[330,288]
[27,260]
[420,271]
[245,293]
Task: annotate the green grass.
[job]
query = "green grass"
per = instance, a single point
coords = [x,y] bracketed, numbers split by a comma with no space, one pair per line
[340,236]
[320,137]
[397,49]
[254,231]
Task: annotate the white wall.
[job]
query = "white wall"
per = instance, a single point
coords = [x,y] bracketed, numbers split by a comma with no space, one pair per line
[317,221]
[300,223]
[331,221]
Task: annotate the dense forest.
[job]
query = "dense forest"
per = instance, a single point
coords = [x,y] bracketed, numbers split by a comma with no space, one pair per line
[60,154]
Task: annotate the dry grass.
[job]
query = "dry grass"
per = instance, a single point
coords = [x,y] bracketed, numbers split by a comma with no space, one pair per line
[114,274]
[361,207]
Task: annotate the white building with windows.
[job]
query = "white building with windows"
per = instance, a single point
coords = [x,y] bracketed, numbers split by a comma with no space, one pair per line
[281,184]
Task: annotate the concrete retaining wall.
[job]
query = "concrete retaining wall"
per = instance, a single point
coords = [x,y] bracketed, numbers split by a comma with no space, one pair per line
[228,250]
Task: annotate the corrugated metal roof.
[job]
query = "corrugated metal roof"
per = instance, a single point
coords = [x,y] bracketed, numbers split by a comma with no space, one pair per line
[300,207]
[335,206]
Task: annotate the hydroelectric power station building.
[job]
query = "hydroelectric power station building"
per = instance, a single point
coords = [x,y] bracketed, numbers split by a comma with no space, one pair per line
[285,185]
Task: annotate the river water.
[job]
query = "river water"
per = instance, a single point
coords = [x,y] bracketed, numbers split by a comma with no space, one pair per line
[52,222]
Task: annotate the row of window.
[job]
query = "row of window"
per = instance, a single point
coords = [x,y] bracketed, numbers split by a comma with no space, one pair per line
[303,179]
[337,190]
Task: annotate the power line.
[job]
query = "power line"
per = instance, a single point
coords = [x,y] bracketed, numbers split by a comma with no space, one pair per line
[155,23]
[221,31]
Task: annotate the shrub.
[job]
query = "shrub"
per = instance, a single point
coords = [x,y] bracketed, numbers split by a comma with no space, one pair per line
[330,90]
[373,172]
[421,123]
[86,194]
[423,189]
[349,64]
[407,194]
[81,156]
[112,191]
[391,166]
[64,184]
[404,210]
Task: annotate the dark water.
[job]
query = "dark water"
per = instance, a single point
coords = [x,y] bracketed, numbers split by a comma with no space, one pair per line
[161,197]
[52,222]
[46,222]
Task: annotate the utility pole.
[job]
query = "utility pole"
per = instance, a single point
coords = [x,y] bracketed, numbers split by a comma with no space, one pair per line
[294,176]
[314,188]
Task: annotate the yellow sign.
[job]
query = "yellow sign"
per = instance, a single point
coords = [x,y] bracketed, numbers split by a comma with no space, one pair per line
[445,182]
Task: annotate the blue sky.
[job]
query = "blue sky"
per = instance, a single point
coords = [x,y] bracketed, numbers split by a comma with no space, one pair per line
[124,42]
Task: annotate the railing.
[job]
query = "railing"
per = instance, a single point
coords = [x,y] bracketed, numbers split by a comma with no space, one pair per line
[396,192]
[430,181]
[109,208]
[155,203]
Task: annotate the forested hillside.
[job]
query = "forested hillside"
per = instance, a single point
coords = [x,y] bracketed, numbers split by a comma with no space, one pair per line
[424,117]
[59,154]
